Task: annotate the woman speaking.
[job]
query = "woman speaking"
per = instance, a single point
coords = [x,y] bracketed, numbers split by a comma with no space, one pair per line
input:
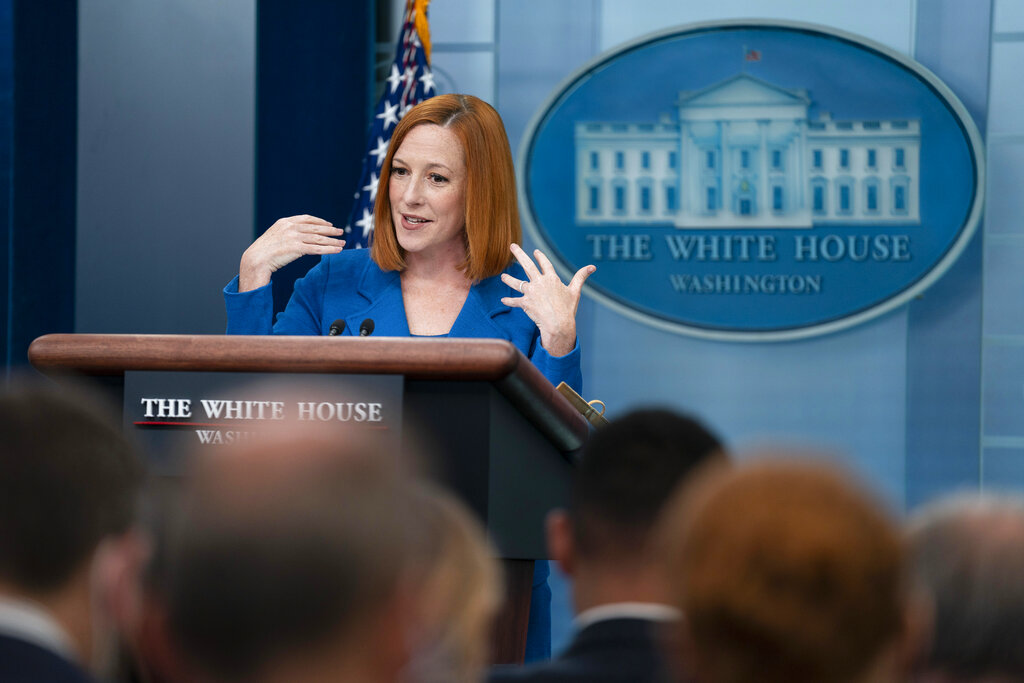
[442,260]
[445,262]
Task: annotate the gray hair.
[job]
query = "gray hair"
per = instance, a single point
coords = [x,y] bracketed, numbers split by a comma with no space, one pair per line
[968,553]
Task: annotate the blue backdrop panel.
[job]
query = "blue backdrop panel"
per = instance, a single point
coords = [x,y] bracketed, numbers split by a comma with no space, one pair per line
[944,333]
[6,135]
[41,238]
[313,99]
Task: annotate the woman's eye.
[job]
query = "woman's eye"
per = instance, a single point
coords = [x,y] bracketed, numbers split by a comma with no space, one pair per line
[438,178]
[398,170]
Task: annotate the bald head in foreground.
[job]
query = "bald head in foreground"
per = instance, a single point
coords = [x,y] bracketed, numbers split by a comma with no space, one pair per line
[308,556]
[788,572]
[968,555]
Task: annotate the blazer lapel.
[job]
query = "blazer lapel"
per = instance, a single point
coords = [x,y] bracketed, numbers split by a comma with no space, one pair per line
[483,308]
[382,291]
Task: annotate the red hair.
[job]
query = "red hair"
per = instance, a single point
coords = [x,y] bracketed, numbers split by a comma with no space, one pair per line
[492,218]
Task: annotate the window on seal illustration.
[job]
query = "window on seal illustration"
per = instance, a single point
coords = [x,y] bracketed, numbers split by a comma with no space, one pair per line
[778,204]
[645,160]
[620,160]
[871,195]
[744,158]
[872,158]
[595,161]
[899,158]
[644,186]
[709,159]
[844,158]
[672,160]
[711,197]
[619,193]
[743,199]
[777,159]
[671,205]
[818,197]
[594,198]
[844,196]
[900,199]
[817,159]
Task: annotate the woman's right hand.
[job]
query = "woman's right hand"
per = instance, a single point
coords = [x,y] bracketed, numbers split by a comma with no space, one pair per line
[282,243]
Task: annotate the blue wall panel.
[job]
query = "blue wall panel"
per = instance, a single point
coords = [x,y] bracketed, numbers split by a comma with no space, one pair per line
[313,81]
[944,337]
[6,144]
[41,230]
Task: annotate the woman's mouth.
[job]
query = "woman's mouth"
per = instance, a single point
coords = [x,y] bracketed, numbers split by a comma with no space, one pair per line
[413,222]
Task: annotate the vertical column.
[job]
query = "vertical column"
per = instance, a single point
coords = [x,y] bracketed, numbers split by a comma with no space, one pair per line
[943,422]
[42,54]
[764,204]
[6,135]
[313,107]
[725,168]
[683,157]
[165,159]
[1002,457]
[799,175]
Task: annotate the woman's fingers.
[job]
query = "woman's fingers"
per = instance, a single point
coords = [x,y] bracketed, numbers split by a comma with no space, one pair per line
[317,229]
[283,242]
[514,283]
[543,262]
[512,301]
[306,218]
[525,262]
[316,249]
[576,284]
[322,240]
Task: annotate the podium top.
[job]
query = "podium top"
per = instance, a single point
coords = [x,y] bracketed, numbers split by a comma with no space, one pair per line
[460,360]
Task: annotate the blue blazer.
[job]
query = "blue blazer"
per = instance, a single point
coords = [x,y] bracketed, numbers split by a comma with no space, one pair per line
[350,286]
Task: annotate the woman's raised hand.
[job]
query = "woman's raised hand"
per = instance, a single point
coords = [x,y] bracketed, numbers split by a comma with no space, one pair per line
[282,243]
[550,304]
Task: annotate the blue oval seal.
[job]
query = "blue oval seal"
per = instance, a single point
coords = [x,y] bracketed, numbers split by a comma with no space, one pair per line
[753,180]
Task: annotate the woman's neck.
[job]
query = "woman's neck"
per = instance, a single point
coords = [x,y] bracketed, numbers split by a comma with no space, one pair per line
[438,266]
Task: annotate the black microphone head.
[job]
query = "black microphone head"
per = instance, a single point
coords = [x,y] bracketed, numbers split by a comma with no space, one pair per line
[366,327]
[337,327]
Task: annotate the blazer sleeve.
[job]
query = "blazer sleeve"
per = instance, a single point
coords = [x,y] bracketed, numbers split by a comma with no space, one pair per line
[559,368]
[252,312]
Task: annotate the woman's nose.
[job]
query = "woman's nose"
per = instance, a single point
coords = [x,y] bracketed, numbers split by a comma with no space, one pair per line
[413,193]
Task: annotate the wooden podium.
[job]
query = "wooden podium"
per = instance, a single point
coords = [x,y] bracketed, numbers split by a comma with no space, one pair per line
[504,437]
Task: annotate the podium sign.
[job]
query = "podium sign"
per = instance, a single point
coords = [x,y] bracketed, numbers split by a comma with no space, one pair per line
[175,413]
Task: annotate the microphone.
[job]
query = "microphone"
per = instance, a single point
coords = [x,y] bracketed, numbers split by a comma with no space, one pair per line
[337,327]
[366,327]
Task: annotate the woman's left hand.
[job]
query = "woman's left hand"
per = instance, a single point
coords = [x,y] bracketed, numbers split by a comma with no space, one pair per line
[550,304]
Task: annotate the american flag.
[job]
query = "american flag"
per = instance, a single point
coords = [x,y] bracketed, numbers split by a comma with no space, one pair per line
[411,81]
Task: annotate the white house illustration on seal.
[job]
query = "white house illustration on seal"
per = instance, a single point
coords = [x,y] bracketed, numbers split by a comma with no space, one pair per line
[743,154]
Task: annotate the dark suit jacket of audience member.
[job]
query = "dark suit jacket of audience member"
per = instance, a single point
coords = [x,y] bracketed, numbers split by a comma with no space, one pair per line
[23,662]
[608,651]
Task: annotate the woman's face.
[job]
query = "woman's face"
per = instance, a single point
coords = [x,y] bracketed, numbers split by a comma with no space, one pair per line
[428,193]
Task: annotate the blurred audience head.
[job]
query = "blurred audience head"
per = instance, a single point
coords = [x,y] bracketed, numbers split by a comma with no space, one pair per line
[69,488]
[297,582]
[456,580]
[626,474]
[788,572]
[968,555]
[313,553]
